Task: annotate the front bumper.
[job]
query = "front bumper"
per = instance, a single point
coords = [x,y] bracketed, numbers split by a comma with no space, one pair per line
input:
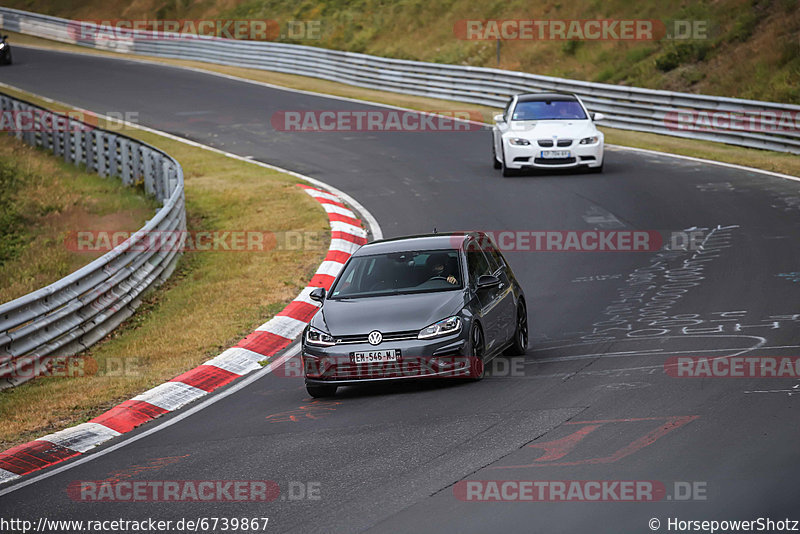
[529,156]
[438,358]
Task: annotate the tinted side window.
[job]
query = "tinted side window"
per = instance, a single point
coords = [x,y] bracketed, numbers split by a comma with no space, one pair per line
[476,262]
[495,258]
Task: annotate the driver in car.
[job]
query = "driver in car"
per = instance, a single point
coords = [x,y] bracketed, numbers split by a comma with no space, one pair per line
[437,266]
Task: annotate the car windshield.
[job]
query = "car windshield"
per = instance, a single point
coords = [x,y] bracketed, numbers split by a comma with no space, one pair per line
[399,272]
[537,110]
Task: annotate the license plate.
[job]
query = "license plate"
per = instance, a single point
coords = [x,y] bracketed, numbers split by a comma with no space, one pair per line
[555,154]
[375,356]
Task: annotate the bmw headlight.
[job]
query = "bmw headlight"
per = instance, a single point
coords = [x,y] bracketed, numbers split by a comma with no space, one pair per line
[319,338]
[518,141]
[589,140]
[445,327]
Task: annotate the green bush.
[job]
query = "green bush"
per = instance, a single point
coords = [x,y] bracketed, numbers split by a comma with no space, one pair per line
[681,54]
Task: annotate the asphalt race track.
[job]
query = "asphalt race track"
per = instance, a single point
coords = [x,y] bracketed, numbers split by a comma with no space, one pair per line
[590,401]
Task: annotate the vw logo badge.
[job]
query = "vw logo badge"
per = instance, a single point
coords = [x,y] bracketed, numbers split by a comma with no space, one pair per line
[375,337]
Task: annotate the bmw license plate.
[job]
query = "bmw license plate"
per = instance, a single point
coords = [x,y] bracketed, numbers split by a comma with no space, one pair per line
[375,356]
[555,154]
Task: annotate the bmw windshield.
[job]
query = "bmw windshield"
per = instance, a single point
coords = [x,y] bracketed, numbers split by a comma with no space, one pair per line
[538,110]
[399,273]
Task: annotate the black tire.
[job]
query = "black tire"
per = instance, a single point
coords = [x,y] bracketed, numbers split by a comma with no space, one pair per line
[506,171]
[520,344]
[495,162]
[477,351]
[321,391]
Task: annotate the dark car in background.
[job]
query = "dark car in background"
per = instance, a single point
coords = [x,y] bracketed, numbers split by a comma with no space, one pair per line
[5,51]
[429,306]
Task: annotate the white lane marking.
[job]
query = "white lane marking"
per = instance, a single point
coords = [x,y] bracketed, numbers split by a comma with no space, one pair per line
[758,346]
[601,217]
[321,194]
[237,360]
[331,208]
[171,395]
[645,352]
[304,296]
[166,423]
[6,476]
[709,161]
[339,226]
[330,268]
[789,391]
[82,437]
[284,326]
[596,354]
[343,245]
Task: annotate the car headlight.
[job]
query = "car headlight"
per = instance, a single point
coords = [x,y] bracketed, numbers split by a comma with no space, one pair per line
[445,327]
[589,140]
[518,141]
[319,338]
[2,46]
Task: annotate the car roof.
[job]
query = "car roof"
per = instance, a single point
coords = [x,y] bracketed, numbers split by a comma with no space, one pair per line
[450,240]
[540,97]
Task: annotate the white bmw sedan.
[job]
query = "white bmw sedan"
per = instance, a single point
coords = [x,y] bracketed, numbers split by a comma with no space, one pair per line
[546,131]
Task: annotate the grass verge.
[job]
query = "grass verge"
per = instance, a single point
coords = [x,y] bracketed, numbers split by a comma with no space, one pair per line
[43,198]
[761,159]
[210,302]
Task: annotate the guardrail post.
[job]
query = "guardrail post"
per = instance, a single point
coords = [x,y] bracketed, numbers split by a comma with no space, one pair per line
[125,161]
[112,158]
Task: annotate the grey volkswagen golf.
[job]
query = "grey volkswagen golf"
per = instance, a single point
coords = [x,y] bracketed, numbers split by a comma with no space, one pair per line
[428,306]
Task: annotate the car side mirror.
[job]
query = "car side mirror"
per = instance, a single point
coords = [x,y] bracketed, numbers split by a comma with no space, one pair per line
[318,294]
[597,116]
[500,118]
[488,280]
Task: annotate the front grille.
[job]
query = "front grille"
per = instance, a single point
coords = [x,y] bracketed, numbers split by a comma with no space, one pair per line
[413,367]
[387,336]
[564,142]
[554,161]
[545,142]
[352,371]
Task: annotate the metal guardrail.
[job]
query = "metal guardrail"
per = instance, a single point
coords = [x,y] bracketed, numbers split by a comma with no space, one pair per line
[629,108]
[75,312]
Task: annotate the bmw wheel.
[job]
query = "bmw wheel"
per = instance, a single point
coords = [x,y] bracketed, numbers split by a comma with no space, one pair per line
[495,162]
[506,171]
